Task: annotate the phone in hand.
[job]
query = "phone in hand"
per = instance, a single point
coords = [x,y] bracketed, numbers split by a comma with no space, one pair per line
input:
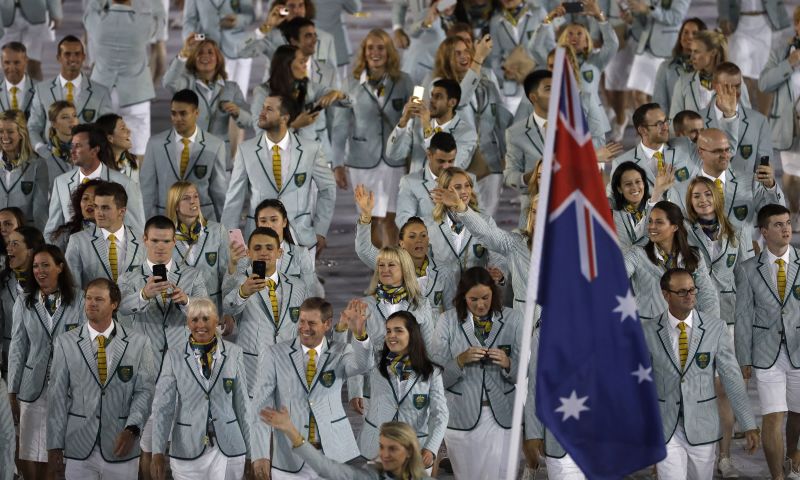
[235,236]
[573,7]
[283,12]
[199,36]
[315,108]
[160,272]
[764,160]
[419,92]
[260,269]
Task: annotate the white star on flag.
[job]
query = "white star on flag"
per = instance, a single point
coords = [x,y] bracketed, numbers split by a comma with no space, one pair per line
[643,374]
[572,406]
[626,306]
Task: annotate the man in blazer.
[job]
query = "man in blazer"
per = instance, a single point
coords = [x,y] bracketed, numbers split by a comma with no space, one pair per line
[167,161]
[767,333]
[91,154]
[301,32]
[310,385]
[90,253]
[91,99]
[16,92]
[412,139]
[298,161]
[414,197]
[260,322]
[688,349]
[100,392]
[27,23]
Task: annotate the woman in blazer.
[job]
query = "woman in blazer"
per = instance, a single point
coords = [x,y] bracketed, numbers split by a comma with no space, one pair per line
[201,405]
[199,243]
[51,305]
[673,68]
[631,202]
[56,153]
[119,137]
[11,218]
[477,343]
[667,248]
[25,179]
[82,201]
[406,387]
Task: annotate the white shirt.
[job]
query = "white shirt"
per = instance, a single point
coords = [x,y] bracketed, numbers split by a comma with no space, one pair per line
[20,91]
[773,267]
[391,307]
[93,334]
[364,80]
[76,84]
[539,122]
[120,236]
[445,127]
[650,155]
[179,146]
[458,238]
[284,147]
[712,178]
[93,175]
[674,332]
[319,349]
[721,117]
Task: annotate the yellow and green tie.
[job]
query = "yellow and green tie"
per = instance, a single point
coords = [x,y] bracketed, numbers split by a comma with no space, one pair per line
[683,343]
[437,130]
[14,100]
[273,299]
[86,180]
[635,212]
[422,270]
[70,92]
[184,155]
[483,327]
[311,370]
[276,166]
[781,278]
[720,190]
[659,161]
[101,358]
[112,256]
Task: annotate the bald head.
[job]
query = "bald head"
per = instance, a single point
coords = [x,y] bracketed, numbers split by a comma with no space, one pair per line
[714,150]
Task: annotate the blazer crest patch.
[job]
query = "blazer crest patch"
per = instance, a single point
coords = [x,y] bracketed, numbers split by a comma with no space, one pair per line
[235,5]
[731,260]
[26,187]
[70,326]
[666,4]
[294,313]
[796,291]
[740,212]
[437,297]
[227,384]
[125,373]
[88,114]
[682,174]
[588,75]
[702,359]
[200,171]
[300,179]
[479,250]
[506,349]
[746,150]
[398,103]
[420,401]
[211,258]
[327,378]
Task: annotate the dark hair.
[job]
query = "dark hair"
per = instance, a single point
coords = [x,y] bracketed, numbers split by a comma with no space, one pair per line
[69,39]
[680,242]
[409,222]
[18,47]
[17,213]
[443,142]
[277,205]
[726,68]
[667,277]
[616,181]
[533,79]
[288,106]
[34,240]
[75,223]
[311,11]
[641,112]
[471,278]
[113,189]
[291,29]
[451,87]
[281,81]
[770,210]
[66,284]
[97,139]
[108,123]
[186,96]
[417,352]
[113,289]
[320,305]
[264,231]
[701,25]
[160,222]
[682,116]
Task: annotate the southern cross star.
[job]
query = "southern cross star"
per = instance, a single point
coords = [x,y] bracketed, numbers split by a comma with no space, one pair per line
[643,374]
[626,306]
[572,406]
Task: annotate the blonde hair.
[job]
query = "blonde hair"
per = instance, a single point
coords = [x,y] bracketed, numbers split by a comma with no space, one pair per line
[796,14]
[572,54]
[191,61]
[25,149]
[443,181]
[174,195]
[201,306]
[54,110]
[397,254]
[392,57]
[715,42]
[726,228]
[403,434]
[444,66]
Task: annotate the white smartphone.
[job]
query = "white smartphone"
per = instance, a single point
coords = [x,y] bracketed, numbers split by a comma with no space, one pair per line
[284,12]
[199,36]
[419,92]
[235,236]
[444,5]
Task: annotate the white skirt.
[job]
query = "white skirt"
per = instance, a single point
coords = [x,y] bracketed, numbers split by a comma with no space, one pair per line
[33,429]
[643,72]
[481,452]
[383,181]
[619,69]
[749,44]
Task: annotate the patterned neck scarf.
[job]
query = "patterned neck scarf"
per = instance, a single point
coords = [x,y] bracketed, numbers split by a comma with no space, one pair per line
[684,62]
[61,150]
[21,275]
[483,327]
[705,80]
[9,164]
[189,234]
[51,302]
[710,227]
[635,212]
[393,295]
[400,365]
[377,83]
[422,270]
[667,260]
[205,351]
[513,15]
[300,90]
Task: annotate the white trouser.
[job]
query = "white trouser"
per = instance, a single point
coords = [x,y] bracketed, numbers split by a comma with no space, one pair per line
[238,70]
[212,465]
[563,468]
[137,118]
[643,72]
[95,468]
[686,462]
[305,473]
[488,190]
[480,452]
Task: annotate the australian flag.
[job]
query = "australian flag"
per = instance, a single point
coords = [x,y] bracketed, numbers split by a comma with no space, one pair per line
[594,389]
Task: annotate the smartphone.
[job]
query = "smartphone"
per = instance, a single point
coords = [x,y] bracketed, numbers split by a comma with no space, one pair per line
[260,269]
[315,108]
[235,236]
[573,7]
[419,92]
[764,160]
[443,5]
[199,36]
[485,31]
[160,271]
[283,12]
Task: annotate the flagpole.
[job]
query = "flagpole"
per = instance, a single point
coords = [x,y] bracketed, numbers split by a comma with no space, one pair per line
[531,296]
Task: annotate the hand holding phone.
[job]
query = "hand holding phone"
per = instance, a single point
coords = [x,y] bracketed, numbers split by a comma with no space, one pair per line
[235,236]
[160,271]
[199,37]
[284,12]
[260,269]
[573,7]
[419,92]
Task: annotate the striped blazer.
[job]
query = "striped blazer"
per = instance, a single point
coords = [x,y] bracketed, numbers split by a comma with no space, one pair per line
[328,468]
[210,256]
[8,435]
[777,78]
[82,412]
[87,255]
[629,234]
[282,383]
[465,387]
[26,187]
[185,401]
[9,290]
[296,262]
[31,351]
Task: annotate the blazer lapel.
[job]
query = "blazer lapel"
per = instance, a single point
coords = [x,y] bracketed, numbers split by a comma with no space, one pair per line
[666,341]
[497,325]
[219,365]
[31,88]
[131,249]
[85,346]
[168,147]
[731,187]
[118,347]
[191,362]
[412,380]
[267,171]
[448,237]
[697,336]
[296,356]
[196,151]
[745,123]
[639,158]
[100,247]
[322,362]
[702,239]
[767,277]
[85,95]
[694,84]
[286,288]
[296,160]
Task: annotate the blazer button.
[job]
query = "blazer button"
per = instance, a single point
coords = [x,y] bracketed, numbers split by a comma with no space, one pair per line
[310,404]
[683,380]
